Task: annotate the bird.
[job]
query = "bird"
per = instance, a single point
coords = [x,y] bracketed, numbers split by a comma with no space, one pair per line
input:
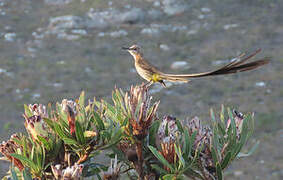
[153,75]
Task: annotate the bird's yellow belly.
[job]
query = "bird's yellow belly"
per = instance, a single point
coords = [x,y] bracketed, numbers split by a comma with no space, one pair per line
[149,76]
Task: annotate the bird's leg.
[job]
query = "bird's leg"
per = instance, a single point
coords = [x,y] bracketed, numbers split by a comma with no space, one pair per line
[148,84]
[163,83]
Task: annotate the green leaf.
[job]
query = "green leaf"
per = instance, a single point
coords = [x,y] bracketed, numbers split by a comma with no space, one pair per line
[25,160]
[26,174]
[212,115]
[226,160]
[214,155]
[14,174]
[166,129]
[27,111]
[251,151]
[179,125]
[82,100]
[153,131]
[49,122]
[169,177]
[98,121]
[59,131]
[44,142]
[192,141]
[222,114]
[219,171]
[79,133]
[187,142]
[233,123]
[69,141]
[160,158]
[179,154]
[159,169]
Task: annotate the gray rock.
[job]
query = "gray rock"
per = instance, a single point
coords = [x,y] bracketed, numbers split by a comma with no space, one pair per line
[205,10]
[174,7]
[57,2]
[10,37]
[65,22]
[133,16]
[156,3]
[79,31]
[108,17]
[179,65]
[169,27]
[67,36]
[260,84]
[150,31]
[164,47]
[229,26]
[114,34]
[154,14]
[118,33]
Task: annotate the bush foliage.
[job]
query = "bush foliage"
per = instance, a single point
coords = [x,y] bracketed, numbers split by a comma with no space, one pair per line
[66,141]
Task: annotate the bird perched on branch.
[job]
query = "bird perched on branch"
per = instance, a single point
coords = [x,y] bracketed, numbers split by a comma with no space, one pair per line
[153,75]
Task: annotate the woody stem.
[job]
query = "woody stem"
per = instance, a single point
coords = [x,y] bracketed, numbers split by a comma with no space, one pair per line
[139,166]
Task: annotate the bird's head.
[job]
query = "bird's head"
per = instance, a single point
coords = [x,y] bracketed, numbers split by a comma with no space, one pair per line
[134,50]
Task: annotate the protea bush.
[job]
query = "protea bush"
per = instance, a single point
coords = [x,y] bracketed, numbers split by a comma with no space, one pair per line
[123,139]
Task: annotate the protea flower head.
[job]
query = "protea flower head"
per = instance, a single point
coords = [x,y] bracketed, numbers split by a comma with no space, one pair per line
[10,147]
[203,135]
[113,170]
[38,110]
[69,103]
[168,152]
[168,122]
[70,173]
[70,107]
[203,139]
[238,118]
[36,126]
[141,112]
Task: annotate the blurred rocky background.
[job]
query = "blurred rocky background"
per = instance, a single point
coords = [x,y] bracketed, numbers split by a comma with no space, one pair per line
[54,49]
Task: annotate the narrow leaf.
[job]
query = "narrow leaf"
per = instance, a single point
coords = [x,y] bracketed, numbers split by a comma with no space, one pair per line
[219,172]
[26,174]
[82,100]
[226,160]
[69,141]
[14,174]
[160,157]
[25,160]
[79,133]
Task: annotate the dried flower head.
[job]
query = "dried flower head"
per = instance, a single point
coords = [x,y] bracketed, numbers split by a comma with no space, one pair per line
[38,110]
[113,170]
[70,107]
[238,118]
[168,152]
[70,173]
[141,112]
[35,126]
[168,130]
[69,103]
[203,139]
[10,147]
[203,133]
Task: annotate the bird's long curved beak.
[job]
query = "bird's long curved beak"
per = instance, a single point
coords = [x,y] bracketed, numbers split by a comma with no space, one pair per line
[125,48]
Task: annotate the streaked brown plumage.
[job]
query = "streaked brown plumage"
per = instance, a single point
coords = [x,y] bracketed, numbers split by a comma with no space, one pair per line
[153,74]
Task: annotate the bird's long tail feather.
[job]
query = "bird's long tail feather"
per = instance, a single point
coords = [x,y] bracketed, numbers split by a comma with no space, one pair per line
[238,65]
